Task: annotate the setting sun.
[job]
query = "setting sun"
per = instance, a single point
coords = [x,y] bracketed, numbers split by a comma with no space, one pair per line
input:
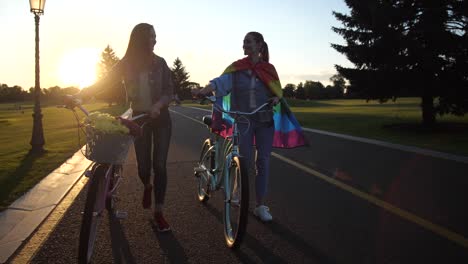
[79,67]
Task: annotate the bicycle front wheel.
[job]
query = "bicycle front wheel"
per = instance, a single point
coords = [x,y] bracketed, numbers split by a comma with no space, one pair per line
[205,166]
[236,203]
[92,214]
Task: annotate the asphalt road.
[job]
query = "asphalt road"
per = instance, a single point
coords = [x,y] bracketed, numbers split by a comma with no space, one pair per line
[336,201]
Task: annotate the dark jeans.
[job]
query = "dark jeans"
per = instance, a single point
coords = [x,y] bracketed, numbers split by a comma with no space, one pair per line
[151,151]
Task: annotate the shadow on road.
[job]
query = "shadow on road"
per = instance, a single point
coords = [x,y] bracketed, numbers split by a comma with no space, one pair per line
[265,254]
[298,242]
[120,247]
[170,246]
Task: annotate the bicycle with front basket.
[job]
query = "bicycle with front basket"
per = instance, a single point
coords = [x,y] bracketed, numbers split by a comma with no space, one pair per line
[108,152]
[219,168]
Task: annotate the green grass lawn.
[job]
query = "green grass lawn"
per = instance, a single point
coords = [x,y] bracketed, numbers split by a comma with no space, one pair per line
[395,122]
[20,171]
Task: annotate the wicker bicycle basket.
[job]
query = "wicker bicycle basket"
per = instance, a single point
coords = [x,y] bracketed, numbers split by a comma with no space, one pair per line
[107,148]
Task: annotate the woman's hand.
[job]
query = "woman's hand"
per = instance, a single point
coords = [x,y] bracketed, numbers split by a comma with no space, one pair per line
[71,101]
[196,93]
[155,110]
[275,100]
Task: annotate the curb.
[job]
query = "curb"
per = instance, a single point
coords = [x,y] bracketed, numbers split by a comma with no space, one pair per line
[26,214]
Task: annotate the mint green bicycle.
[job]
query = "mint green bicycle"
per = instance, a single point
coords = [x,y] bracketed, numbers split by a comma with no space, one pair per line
[219,168]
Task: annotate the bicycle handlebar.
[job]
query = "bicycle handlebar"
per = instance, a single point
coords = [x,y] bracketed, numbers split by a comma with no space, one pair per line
[212,99]
[72,102]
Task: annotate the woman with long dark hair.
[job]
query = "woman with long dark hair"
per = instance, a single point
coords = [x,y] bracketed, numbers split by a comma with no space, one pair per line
[149,86]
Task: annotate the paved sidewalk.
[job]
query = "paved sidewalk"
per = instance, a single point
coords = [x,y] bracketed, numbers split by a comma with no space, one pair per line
[25,215]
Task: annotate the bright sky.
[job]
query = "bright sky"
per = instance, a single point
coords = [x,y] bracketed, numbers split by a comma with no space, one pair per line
[206,35]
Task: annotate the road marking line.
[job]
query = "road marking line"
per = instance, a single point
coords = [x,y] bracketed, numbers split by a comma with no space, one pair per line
[437,229]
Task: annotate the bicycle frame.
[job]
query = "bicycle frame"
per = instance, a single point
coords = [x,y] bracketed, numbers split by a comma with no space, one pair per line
[229,147]
[220,167]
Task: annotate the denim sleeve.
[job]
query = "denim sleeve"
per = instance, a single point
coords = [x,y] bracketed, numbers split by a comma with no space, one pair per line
[222,84]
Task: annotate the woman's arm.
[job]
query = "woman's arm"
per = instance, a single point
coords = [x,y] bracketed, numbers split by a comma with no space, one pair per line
[167,90]
[221,85]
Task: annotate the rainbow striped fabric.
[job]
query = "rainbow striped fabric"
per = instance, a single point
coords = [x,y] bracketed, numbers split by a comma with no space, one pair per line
[288,132]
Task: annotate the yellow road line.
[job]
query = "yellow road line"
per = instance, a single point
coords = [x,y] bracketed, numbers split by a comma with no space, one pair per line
[437,229]
[440,230]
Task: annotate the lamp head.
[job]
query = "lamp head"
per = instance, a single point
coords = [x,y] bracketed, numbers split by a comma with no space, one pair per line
[37,6]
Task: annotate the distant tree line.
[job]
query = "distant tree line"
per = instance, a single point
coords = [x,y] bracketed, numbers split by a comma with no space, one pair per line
[315,90]
[17,94]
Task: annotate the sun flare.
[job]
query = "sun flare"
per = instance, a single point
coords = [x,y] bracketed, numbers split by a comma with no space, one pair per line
[79,67]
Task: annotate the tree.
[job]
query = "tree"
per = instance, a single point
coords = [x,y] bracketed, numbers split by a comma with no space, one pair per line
[339,85]
[108,61]
[181,80]
[408,47]
[314,90]
[300,92]
[12,94]
[288,90]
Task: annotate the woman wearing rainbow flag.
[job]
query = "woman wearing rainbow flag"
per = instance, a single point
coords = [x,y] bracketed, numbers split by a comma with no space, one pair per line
[243,86]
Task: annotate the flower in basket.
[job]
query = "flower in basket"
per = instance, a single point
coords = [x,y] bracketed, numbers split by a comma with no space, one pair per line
[105,124]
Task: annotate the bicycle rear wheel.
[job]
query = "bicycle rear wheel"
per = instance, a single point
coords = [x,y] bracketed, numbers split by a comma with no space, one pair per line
[94,206]
[236,203]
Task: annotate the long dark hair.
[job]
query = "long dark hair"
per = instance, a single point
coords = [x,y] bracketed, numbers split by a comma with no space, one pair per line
[264,48]
[136,57]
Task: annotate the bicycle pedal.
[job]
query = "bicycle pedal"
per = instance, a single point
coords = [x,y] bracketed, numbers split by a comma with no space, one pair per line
[121,214]
[198,169]
[94,213]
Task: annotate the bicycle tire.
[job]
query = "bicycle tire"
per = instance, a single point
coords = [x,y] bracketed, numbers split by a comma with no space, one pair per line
[207,161]
[235,223]
[90,220]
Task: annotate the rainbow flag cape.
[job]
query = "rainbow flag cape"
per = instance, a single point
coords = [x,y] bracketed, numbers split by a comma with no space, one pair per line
[288,132]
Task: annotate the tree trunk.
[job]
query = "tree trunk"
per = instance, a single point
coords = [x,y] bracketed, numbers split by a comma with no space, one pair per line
[428,111]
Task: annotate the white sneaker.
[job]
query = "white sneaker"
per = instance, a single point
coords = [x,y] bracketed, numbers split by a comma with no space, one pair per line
[263,212]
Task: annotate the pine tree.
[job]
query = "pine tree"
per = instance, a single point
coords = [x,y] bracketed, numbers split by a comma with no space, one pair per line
[181,79]
[408,47]
[108,60]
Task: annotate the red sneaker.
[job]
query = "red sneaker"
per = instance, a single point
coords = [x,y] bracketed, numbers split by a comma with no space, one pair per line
[161,223]
[147,196]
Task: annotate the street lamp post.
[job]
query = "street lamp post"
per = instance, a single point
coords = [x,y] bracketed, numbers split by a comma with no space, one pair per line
[37,139]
